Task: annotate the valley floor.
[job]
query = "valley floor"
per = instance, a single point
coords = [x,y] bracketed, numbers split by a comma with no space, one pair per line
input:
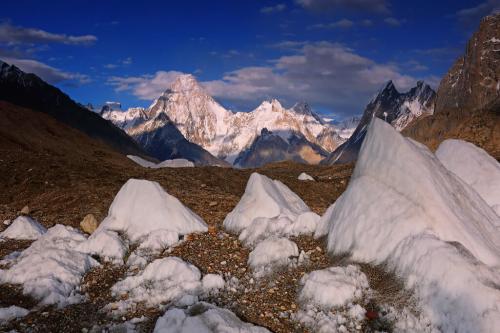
[63,189]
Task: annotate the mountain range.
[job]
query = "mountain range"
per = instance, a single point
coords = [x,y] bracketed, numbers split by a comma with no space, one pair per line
[267,134]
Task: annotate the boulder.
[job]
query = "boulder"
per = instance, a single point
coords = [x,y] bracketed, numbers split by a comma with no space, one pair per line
[89,224]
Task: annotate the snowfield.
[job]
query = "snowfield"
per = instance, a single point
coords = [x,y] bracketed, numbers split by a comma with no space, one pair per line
[24,228]
[475,167]
[175,163]
[405,209]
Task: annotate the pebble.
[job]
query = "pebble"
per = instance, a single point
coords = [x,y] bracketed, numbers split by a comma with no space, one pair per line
[6,222]
[25,210]
[223,263]
[213,203]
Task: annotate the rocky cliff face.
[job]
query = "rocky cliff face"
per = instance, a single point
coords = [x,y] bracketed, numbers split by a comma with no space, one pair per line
[29,91]
[398,109]
[473,81]
[468,98]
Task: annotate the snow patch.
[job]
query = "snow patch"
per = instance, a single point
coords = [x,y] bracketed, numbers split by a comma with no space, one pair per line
[164,280]
[24,228]
[12,312]
[272,253]
[175,163]
[203,318]
[333,287]
[305,176]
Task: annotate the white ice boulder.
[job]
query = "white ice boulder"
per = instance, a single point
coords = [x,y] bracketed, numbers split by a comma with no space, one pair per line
[175,163]
[142,206]
[474,166]
[11,312]
[269,208]
[164,280]
[51,269]
[212,282]
[23,228]
[203,318]
[305,176]
[106,244]
[404,208]
[272,253]
[333,287]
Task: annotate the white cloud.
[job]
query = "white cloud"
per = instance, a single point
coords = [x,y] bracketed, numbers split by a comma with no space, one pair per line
[273,9]
[15,34]
[344,23]
[373,6]
[394,21]
[48,73]
[472,15]
[327,75]
[145,87]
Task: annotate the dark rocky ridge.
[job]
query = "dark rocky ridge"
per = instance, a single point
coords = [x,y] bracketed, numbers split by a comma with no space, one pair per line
[28,90]
[388,105]
[468,98]
[269,147]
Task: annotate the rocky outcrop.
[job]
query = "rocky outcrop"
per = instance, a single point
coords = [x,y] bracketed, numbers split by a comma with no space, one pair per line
[398,109]
[29,91]
[468,98]
[271,147]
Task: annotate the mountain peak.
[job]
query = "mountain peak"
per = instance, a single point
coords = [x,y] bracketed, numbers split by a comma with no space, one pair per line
[184,83]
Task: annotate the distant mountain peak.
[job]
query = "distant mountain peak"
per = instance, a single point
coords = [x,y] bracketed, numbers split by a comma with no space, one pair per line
[185,83]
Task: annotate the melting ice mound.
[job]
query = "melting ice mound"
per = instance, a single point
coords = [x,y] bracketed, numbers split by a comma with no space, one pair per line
[24,228]
[142,206]
[269,208]
[51,269]
[203,317]
[404,208]
[475,167]
[175,163]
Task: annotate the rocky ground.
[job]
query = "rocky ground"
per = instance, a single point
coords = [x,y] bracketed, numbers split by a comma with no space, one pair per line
[63,181]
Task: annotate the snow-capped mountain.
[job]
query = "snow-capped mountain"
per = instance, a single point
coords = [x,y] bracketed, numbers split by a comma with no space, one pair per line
[223,133]
[398,109]
[124,119]
[269,147]
[346,127]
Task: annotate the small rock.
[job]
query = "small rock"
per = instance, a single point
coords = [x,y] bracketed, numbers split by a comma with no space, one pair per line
[223,263]
[213,203]
[203,185]
[293,306]
[7,222]
[25,210]
[89,224]
[318,249]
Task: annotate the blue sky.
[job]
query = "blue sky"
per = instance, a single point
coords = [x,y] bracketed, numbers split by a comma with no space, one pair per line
[334,54]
